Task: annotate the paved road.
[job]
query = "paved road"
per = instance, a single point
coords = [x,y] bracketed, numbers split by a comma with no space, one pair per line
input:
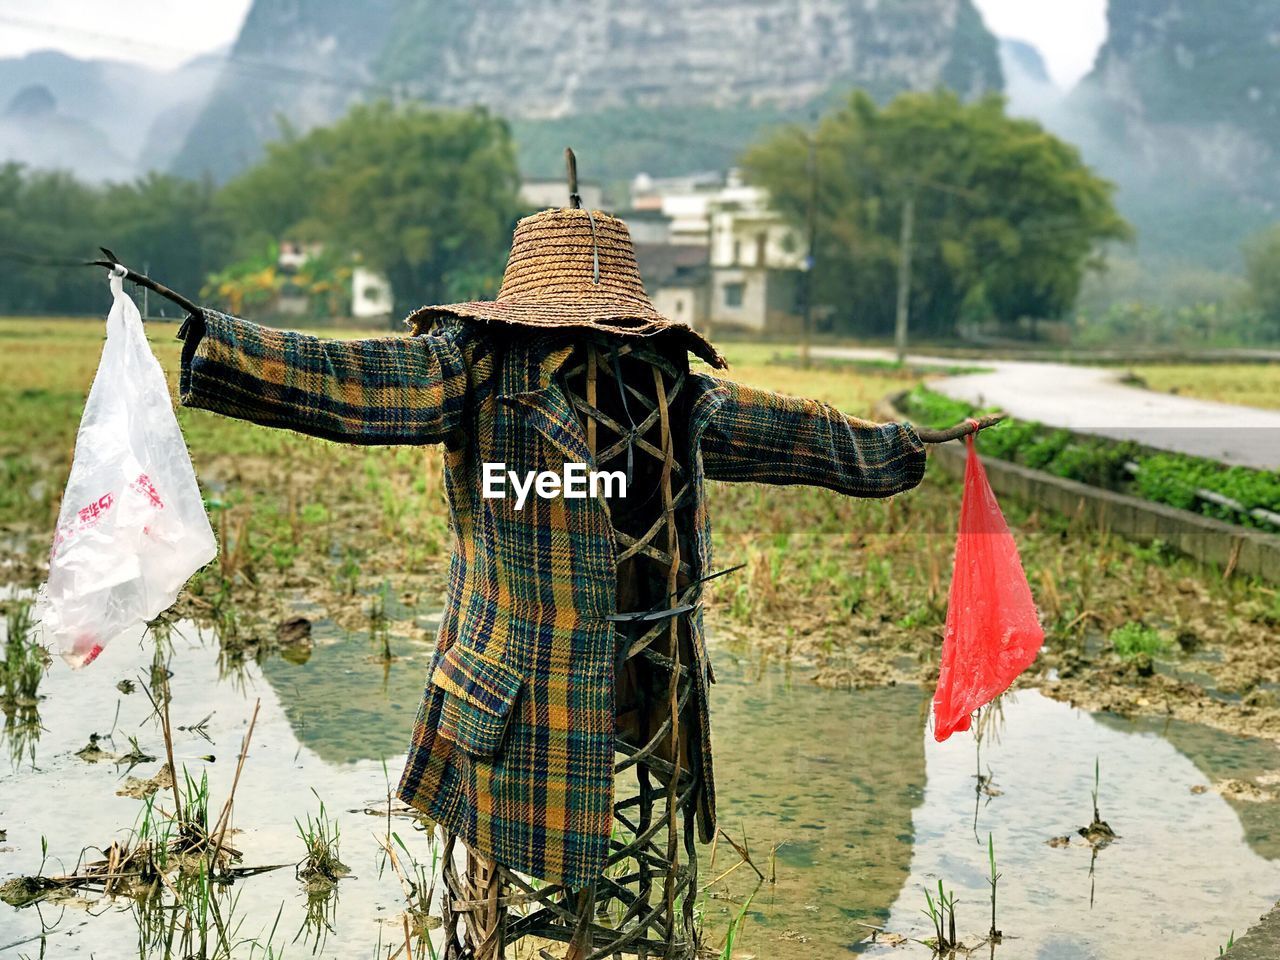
[1092,400]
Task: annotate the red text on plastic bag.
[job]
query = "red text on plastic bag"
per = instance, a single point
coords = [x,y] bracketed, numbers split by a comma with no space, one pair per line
[993,632]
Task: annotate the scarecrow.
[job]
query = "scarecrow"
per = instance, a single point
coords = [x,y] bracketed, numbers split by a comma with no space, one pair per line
[563,741]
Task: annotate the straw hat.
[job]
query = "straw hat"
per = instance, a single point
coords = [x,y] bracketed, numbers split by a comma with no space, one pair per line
[572,268]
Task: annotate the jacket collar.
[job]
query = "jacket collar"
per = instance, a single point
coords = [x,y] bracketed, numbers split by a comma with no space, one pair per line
[532,365]
[532,386]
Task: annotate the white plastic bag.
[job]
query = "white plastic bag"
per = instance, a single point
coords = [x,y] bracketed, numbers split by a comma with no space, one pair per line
[132,528]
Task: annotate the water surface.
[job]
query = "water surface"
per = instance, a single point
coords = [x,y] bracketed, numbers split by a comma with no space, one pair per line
[862,807]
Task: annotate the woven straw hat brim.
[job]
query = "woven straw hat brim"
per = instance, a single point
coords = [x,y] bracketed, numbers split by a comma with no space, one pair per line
[571,316]
[571,269]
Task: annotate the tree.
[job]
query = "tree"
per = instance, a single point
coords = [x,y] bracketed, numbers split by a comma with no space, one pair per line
[170,227]
[1262,267]
[1007,217]
[424,196]
[51,222]
[47,219]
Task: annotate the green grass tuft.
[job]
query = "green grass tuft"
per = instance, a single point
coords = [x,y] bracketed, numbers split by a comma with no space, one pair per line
[1132,639]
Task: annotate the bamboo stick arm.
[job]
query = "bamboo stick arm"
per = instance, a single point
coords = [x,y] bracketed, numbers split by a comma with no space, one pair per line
[960,429]
[144,281]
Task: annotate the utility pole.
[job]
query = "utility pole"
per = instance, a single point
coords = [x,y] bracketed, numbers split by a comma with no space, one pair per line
[711,270]
[811,239]
[904,275]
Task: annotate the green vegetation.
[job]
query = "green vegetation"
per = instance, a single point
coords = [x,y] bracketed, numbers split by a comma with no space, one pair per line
[174,868]
[21,671]
[1247,384]
[942,914]
[24,660]
[736,925]
[428,197]
[1189,326]
[1098,833]
[1007,217]
[1134,639]
[856,588]
[993,880]
[1172,479]
[826,577]
[1168,478]
[323,281]
[1008,221]
[346,516]
[1186,304]
[417,881]
[320,866]
[1262,262]
[49,221]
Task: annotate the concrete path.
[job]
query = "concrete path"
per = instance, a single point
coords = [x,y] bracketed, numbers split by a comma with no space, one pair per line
[1092,400]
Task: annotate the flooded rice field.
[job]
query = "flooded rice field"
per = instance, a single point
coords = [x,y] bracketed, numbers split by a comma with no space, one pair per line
[871,812]
[843,796]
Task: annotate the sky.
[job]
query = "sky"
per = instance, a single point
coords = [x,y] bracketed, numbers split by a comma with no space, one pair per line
[164,33]
[161,33]
[1068,33]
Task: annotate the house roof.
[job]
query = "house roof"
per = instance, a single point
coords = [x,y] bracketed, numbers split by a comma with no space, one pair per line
[663,263]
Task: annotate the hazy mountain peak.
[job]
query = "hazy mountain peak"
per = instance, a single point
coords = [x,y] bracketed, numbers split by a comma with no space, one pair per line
[31,103]
[1183,110]
[105,110]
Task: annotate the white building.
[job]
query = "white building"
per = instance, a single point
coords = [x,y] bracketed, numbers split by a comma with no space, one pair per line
[651,227]
[755,261]
[371,294]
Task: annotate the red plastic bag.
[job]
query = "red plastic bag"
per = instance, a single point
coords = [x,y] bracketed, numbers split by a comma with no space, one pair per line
[993,632]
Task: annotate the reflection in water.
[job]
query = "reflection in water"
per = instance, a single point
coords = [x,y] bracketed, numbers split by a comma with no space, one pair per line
[1221,757]
[22,734]
[21,670]
[345,703]
[318,922]
[863,808]
[72,805]
[831,779]
[1182,872]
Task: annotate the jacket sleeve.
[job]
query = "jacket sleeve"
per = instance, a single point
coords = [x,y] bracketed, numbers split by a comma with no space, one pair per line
[390,390]
[765,437]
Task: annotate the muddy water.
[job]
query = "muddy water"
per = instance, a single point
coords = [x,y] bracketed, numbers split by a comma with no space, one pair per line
[863,808]
[871,811]
[1188,869]
[74,804]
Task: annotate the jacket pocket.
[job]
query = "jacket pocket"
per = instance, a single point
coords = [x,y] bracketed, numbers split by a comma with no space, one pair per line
[479,694]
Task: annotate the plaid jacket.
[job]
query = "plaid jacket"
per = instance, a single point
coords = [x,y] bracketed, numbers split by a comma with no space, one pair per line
[513,747]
